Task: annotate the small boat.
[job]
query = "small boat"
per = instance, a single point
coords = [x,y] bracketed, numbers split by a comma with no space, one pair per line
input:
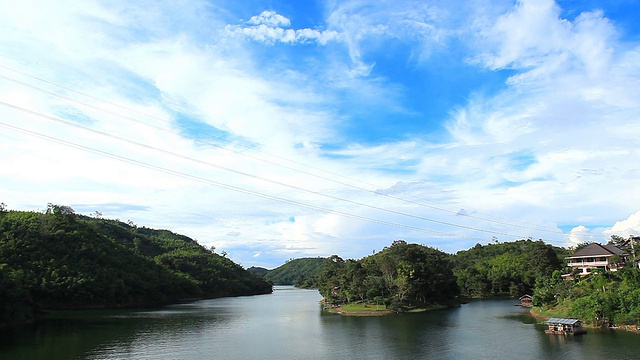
[562,326]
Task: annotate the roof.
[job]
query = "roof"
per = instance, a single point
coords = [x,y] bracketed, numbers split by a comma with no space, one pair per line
[525,297]
[562,321]
[595,249]
[614,249]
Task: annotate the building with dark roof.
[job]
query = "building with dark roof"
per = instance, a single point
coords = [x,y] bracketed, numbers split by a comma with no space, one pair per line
[597,256]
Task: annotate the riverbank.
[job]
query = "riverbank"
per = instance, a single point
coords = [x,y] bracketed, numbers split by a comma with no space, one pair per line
[66,312]
[539,313]
[360,309]
[349,311]
[546,314]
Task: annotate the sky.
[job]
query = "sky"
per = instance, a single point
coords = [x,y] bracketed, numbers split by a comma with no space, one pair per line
[274,130]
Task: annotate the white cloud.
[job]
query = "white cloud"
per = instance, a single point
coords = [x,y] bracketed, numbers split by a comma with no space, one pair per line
[366,28]
[579,234]
[558,107]
[625,228]
[533,37]
[270,18]
[270,28]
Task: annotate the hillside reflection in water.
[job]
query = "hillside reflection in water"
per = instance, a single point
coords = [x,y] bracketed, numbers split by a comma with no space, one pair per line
[289,324]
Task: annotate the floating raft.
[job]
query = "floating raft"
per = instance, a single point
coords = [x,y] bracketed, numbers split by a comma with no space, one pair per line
[562,326]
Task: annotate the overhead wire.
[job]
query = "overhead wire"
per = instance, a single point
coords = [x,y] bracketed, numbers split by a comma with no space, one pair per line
[231,187]
[522,225]
[238,172]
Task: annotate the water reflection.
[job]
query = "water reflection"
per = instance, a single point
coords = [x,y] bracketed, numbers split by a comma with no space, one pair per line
[288,324]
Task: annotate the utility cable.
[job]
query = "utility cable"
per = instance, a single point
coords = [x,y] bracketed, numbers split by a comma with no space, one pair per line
[537,228]
[230,187]
[170,153]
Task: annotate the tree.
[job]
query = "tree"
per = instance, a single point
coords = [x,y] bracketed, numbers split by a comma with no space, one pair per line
[329,279]
[629,245]
[59,209]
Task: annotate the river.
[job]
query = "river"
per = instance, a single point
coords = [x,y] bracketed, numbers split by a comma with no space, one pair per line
[289,324]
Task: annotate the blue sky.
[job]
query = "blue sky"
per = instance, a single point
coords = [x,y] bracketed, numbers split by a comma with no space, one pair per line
[281,129]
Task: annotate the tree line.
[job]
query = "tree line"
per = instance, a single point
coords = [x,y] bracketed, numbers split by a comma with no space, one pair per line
[406,275]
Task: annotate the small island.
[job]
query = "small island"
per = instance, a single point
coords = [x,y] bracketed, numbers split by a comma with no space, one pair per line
[401,278]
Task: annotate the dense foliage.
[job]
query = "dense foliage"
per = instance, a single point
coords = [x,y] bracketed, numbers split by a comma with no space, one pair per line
[401,276]
[507,269]
[58,259]
[301,272]
[600,298]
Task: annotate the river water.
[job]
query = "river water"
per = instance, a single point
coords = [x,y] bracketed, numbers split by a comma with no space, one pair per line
[289,324]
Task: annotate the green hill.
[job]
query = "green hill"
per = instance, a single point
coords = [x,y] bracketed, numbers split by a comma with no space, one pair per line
[58,259]
[299,272]
[505,269]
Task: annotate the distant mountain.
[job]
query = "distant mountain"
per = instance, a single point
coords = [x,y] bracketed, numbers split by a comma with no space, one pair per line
[58,259]
[299,272]
[260,271]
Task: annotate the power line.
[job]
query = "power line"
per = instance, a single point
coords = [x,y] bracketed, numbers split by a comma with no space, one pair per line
[508,223]
[231,187]
[118,138]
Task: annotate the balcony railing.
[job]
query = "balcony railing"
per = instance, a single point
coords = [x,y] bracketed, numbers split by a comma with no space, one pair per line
[588,263]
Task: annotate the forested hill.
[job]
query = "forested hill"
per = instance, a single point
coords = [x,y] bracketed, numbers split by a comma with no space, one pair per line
[300,272]
[507,269]
[58,259]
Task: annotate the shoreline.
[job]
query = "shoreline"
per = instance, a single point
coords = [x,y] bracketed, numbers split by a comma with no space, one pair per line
[533,313]
[371,310]
[628,328]
[51,312]
[339,311]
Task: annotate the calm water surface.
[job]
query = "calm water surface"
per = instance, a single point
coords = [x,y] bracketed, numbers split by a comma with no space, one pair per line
[289,324]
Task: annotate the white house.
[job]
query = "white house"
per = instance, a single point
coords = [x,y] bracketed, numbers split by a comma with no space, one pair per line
[597,256]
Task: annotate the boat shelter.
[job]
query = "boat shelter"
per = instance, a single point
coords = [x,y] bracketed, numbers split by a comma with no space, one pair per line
[562,326]
[526,300]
